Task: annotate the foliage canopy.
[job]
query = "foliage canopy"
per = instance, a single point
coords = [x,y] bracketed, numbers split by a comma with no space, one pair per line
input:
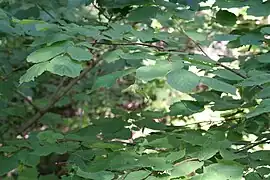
[79,77]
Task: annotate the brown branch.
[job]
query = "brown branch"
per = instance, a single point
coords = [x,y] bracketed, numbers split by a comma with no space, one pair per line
[28,100]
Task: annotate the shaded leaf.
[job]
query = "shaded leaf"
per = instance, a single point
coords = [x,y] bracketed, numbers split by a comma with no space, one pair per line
[225,17]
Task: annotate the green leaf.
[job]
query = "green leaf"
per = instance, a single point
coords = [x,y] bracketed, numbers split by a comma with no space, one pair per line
[224,73]
[28,174]
[259,9]
[183,80]
[185,168]
[174,156]
[7,164]
[160,143]
[109,80]
[50,177]
[102,175]
[222,171]
[49,136]
[185,108]
[8,149]
[194,4]
[51,39]
[149,123]
[204,153]
[125,161]
[256,80]
[144,35]
[225,37]
[263,107]
[196,36]
[28,159]
[47,53]
[78,3]
[103,145]
[148,73]
[218,85]
[111,56]
[51,120]
[79,54]
[253,176]
[137,175]
[185,14]
[156,163]
[143,13]
[265,30]
[225,17]
[251,39]
[33,72]
[229,155]
[264,93]
[264,58]
[64,66]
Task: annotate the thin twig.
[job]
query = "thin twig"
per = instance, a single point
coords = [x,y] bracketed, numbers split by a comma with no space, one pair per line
[100,11]
[252,145]
[28,100]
